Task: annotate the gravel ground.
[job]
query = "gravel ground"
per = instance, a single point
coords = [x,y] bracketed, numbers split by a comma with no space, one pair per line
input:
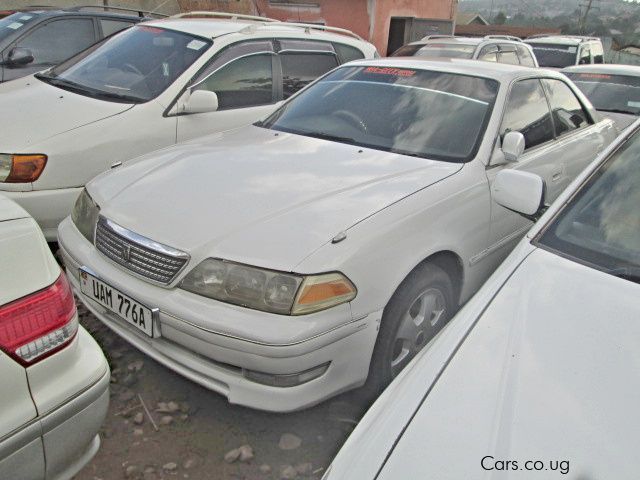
[197,428]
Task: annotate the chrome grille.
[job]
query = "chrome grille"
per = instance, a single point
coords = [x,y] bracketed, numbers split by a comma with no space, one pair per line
[140,255]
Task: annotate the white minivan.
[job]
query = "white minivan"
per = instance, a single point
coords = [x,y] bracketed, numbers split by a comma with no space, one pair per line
[149,87]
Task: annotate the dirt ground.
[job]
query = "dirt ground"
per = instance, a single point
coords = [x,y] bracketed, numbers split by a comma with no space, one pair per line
[197,427]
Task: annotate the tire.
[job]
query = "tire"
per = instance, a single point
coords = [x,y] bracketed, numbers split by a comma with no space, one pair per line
[425,299]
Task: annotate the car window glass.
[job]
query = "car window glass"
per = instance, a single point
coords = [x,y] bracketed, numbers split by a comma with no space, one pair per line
[568,114]
[525,56]
[109,27]
[598,53]
[347,53]
[299,69]
[555,55]
[231,53]
[17,22]
[445,50]
[407,50]
[58,40]
[527,112]
[488,54]
[585,56]
[245,82]
[613,93]
[509,57]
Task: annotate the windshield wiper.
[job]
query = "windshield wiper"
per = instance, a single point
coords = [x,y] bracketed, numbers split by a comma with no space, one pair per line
[329,136]
[82,89]
[628,273]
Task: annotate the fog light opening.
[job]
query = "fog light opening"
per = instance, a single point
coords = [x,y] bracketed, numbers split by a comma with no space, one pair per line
[286,380]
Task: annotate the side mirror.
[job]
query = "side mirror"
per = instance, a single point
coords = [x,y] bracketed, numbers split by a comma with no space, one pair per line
[521,192]
[200,101]
[19,57]
[512,146]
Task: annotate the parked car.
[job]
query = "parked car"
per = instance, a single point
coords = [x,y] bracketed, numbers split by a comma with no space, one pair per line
[541,365]
[614,90]
[55,378]
[35,39]
[559,51]
[149,87]
[281,263]
[492,48]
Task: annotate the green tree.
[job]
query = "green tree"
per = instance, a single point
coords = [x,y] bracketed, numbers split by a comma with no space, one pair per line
[499,19]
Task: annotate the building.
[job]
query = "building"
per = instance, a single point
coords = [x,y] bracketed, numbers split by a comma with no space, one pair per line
[388,24]
[476,30]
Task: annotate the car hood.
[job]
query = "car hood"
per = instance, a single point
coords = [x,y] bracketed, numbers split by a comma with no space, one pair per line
[258,196]
[33,111]
[549,372]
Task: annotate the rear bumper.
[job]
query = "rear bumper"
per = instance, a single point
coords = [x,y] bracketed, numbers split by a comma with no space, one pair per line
[47,207]
[199,349]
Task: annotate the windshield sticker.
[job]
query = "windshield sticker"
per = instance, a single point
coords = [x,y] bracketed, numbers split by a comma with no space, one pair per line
[603,76]
[196,44]
[633,104]
[26,17]
[15,25]
[165,69]
[396,72]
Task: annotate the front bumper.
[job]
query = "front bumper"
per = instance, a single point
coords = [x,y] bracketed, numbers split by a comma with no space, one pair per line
[214,344]
[47,207]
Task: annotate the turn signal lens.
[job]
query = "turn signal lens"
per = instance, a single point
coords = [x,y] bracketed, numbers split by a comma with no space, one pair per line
[323,291]
[21,168]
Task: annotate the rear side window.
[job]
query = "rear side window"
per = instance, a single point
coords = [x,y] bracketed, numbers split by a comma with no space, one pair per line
[109,27]
[347,53]
[407,50]
[525,56]
[598,53]
[568,114]
[489,54]
[508,56]
[245,82]
[58,40]
[300,69]
[585,56]
[528,113]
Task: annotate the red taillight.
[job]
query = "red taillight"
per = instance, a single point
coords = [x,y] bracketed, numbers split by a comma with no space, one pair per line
[40,324]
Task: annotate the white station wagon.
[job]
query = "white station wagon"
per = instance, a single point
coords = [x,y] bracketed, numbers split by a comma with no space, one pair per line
[146,88]
[537,376]
[287,261]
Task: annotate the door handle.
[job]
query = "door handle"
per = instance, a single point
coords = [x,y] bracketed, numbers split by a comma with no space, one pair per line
[556,176]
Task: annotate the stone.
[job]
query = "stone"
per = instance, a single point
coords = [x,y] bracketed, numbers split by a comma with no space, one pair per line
[264,468]
[132,471]
[173,407]
[170,467]
[138,418]
[191,461]
[288,473]
[167,407]
[138,432]
[246,453]
[232,455]
[289,441]
[166,420]
[135,366]
[304,469]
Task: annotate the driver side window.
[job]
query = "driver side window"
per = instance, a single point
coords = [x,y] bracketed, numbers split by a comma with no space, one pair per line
[528,113]
[244,82]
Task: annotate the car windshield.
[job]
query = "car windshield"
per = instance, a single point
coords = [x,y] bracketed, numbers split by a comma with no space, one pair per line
[555,55]
[135,65]
[610,93]
[16,22]
[600,226]
[446,50]
[413,112]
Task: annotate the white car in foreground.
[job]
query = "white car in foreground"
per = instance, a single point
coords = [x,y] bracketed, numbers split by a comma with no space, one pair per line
[614,90]
[146,88]
[55,379]
[282,263]
[537,376]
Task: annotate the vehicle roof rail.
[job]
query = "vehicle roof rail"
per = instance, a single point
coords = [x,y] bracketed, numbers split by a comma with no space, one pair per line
[308,27]
[227,15]
[107,8]
[503,37]
[439,35]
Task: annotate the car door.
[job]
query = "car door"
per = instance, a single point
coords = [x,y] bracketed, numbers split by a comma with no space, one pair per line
[242,76]
[527,111]
[52,42]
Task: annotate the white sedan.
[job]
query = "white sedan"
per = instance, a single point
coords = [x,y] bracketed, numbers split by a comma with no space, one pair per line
[55,379]
[146,88]
[284,262]
[537,376]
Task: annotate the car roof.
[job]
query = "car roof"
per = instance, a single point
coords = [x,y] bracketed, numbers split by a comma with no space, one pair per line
[45,12]
[499,71]
[561,40]
[613,69]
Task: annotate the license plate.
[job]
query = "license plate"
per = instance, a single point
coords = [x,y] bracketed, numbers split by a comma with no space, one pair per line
[130,310]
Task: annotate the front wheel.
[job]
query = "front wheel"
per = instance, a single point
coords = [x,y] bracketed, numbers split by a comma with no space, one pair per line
[418,310]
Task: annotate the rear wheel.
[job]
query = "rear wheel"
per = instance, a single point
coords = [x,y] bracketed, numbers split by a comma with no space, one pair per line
[418,310]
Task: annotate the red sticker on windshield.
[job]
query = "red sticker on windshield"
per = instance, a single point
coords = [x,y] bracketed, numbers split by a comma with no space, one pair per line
[396,72]
[594,75]
[151,29]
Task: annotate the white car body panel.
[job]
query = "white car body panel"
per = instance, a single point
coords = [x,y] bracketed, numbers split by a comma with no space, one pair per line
[53,408]
[472,393]
[276,200]
[83,136]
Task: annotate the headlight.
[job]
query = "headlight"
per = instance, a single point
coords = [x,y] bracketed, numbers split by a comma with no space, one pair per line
[268,290]
[21,168]
[85,215]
